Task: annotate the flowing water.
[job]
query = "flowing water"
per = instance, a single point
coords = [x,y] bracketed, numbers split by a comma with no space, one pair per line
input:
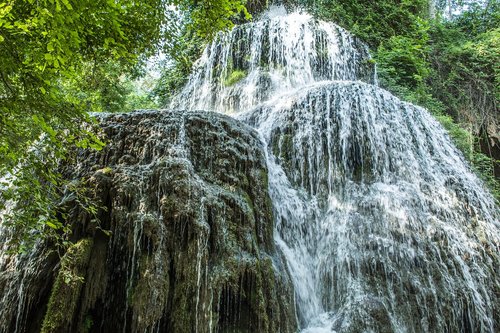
[383,224]
[258,61]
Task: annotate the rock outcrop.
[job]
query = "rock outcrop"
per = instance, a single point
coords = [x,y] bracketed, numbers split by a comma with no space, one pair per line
[182,240]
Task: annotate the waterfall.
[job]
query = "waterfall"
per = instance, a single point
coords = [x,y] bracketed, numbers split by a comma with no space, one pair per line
[377,213]
[383,224]
[323,202]
[257,61]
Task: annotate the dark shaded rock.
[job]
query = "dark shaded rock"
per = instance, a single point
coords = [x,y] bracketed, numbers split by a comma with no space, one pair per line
[184,241]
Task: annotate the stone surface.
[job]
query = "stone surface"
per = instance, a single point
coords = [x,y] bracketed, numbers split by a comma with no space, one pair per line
[184,241]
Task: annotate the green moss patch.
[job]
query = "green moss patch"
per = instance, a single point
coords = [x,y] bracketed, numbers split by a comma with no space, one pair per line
[235,77]
[67,287]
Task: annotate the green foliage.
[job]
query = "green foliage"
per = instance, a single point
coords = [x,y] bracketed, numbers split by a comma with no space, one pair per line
[402,60]
[46,43]
[173,78]
[462,138]
[484,165]
[234,77]
[34,195]
[106,88]
[372,21]
[184,48]
[465,78]
[87,324]
[479,18]
[191,29]
[66,290]
[206,18]
[47,50]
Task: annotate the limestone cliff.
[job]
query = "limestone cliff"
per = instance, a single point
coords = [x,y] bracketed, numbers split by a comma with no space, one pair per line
[182,240]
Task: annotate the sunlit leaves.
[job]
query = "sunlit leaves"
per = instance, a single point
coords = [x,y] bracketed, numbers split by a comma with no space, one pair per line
[210,17]
[44,45]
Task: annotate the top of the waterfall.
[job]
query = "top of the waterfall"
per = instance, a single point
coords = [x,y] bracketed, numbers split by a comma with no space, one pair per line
[273,12]
[258,61]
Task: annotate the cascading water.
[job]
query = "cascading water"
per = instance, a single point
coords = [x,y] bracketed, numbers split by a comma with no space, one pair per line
[380,225]
[258,61]
[384,226]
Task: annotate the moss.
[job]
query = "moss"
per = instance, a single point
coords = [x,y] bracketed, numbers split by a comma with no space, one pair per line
[149,296]
[87,324]
[287,146]
[67,286]
[235,77]
[105,170]
[249,201]
[283,147]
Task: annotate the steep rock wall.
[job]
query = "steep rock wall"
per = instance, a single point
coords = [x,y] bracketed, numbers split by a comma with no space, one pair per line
[184,241]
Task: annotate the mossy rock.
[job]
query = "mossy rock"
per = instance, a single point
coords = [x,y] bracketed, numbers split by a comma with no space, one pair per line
[67,287]
[235,77]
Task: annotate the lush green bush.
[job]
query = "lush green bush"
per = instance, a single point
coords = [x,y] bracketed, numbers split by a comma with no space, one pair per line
[234,77]
[372,21]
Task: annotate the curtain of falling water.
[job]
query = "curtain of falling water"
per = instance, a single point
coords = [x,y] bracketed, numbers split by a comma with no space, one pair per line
[384,226]
[377,213]
[270,57]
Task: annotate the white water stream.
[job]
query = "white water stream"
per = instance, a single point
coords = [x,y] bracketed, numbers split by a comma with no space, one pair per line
[258,61]
[383,224]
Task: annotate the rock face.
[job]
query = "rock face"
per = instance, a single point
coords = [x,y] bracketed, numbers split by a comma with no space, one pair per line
[184,243]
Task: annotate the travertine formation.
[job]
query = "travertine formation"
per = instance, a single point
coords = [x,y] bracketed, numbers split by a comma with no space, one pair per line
[346,210]
[184,241]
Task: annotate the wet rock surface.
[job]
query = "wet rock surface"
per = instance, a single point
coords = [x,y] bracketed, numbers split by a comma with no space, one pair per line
[184,241]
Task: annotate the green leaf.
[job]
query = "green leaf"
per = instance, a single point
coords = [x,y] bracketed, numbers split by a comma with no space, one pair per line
[67,4]
[51,225]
